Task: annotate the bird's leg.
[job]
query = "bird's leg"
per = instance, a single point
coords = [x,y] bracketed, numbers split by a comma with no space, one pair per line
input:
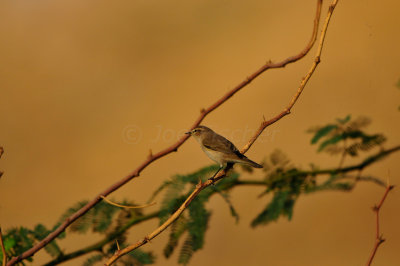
[212,178]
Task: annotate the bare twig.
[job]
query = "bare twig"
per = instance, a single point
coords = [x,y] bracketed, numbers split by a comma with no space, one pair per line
[126,206]
[172,148]
[3,249]
[378,237]
[303,83]
[200,186]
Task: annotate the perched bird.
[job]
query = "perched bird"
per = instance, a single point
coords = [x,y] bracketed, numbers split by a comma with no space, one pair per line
[219,149]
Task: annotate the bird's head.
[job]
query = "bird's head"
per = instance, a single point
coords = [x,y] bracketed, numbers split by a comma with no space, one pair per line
[199,132]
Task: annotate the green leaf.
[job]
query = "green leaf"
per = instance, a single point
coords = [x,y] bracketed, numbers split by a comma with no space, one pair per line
[142,257]
[344,120]
[52,248]
[9,243]
[322,132]
[281,204]
[177,230]
[22,240]
[186,252]
[335,139]
[198,221]
[102,215]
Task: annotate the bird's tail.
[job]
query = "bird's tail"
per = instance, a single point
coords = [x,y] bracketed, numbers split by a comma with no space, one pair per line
[247,161]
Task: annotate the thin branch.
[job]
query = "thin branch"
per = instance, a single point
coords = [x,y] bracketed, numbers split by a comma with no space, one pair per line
[303,83]
[378,237]
[200,186]
[3,249]
[255,182]
[126,206]
[173,148]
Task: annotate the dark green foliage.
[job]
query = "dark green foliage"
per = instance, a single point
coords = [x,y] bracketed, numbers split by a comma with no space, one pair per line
[176,191]
[177,188]
[141,257]
[19,239]
[281,204]
[92,260]
[177,230]
[286,183]
[186,251]
[322,132]
[332,183]
[52,248]
[346,137]
[198,221]
[136,257]
[98,219]
[82,224]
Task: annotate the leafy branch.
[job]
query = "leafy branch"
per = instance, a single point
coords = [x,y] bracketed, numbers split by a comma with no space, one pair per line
[280,178]
[173,148]
[176,185]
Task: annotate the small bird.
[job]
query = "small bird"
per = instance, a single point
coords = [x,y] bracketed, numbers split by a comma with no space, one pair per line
[219,149]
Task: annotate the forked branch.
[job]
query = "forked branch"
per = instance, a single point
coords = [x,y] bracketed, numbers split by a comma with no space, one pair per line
[200,186]
[173,148]
[378,237]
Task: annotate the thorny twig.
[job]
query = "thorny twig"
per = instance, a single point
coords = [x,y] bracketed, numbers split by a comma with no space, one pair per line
[378,237]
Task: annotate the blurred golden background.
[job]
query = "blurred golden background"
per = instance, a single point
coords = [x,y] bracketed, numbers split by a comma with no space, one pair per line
[88,87]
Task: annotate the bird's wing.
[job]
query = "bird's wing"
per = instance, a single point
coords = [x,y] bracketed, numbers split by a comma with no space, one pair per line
[221,144]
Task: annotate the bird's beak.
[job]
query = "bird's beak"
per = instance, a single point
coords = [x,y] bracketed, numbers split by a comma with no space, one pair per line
[188,133]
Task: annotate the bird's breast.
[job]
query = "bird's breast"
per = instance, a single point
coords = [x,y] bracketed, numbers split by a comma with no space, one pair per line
[214,155]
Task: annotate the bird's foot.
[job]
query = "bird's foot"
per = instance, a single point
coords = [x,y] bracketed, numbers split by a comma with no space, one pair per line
[212,180]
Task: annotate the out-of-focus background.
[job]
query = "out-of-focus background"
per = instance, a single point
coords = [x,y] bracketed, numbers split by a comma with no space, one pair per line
[88,87]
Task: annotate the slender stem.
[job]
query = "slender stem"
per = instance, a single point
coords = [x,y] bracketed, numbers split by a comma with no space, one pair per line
[378,238]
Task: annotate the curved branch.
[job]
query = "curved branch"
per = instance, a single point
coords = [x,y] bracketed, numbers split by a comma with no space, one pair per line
[200,186]
[172,148]
[126,206]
